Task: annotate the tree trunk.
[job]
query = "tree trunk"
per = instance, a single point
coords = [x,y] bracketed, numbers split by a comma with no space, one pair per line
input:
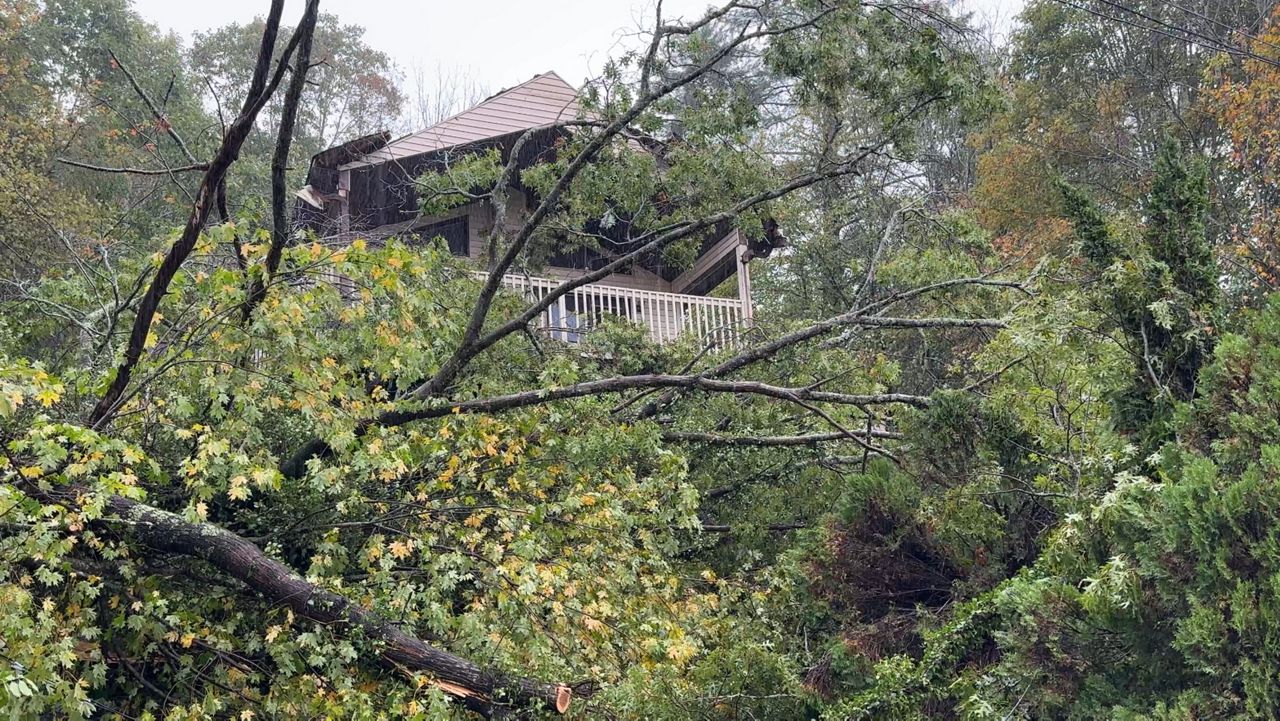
[484,691]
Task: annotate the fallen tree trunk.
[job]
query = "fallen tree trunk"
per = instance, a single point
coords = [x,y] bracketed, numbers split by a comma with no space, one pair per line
[485,691]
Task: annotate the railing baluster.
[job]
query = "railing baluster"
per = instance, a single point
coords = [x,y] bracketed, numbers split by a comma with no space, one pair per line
[677,317]
[713,323]
[665,316]
[649,315]
[655,316]
[704,322]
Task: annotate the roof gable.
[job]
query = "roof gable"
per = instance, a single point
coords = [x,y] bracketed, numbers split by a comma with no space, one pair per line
[542,100]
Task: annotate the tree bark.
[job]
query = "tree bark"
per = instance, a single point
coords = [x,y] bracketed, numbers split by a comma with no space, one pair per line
[482,690]
[280,220]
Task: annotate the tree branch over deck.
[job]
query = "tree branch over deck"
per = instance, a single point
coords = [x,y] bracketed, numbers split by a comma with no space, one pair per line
[295,465]
[863,317]
[810,439]
[473,343]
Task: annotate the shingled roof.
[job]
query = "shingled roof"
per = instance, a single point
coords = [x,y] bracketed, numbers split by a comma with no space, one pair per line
[541,100]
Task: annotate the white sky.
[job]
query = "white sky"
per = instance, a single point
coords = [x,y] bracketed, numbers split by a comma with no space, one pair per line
[497,42]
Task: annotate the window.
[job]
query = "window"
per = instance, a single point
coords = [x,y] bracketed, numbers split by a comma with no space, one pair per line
[582,257]
[454,231]
[564,321]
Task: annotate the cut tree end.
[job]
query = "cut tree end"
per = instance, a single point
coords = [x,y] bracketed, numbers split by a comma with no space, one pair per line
[564,695]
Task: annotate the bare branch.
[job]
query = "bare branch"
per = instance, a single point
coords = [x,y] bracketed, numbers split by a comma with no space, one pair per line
[161,119]
[624,383]
[295,465]
[134,171]
[280,158]
[811,439]
[772,527]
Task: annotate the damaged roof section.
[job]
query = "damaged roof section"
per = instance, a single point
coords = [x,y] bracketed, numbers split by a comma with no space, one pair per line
[542,100]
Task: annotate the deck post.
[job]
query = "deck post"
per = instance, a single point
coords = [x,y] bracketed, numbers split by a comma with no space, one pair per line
[744,283]
[344,201]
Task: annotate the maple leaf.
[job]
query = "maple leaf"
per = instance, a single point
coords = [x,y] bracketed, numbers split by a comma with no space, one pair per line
[401,549]
[48,397]
[239,489]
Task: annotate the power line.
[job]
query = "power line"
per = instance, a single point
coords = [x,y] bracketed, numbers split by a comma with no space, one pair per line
[1194,33]
[1187,36]
[1130,23]
[1234,30]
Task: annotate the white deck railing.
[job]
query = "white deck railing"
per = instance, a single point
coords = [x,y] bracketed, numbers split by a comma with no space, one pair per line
[667,316]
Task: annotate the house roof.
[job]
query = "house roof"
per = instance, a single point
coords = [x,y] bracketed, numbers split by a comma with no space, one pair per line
[542,100]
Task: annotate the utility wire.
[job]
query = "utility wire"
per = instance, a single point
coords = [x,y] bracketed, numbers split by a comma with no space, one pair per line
[1225,26]
[1205,41]
[1211,40]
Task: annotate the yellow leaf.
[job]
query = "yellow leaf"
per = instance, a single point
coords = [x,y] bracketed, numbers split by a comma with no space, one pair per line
[263,477]
[272,632]
[31,471]
[48,397]
[15,398]
[188,639]
[681,651]
[401,549]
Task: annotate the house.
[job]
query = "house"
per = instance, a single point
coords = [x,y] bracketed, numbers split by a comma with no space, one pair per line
[364,188]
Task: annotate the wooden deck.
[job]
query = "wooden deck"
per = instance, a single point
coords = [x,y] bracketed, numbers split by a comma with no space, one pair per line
[667,316]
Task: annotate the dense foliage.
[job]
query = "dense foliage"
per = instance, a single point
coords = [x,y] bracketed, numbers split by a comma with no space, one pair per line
[1000,444]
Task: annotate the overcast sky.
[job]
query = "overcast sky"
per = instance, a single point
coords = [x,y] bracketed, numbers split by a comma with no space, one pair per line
[497,42]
